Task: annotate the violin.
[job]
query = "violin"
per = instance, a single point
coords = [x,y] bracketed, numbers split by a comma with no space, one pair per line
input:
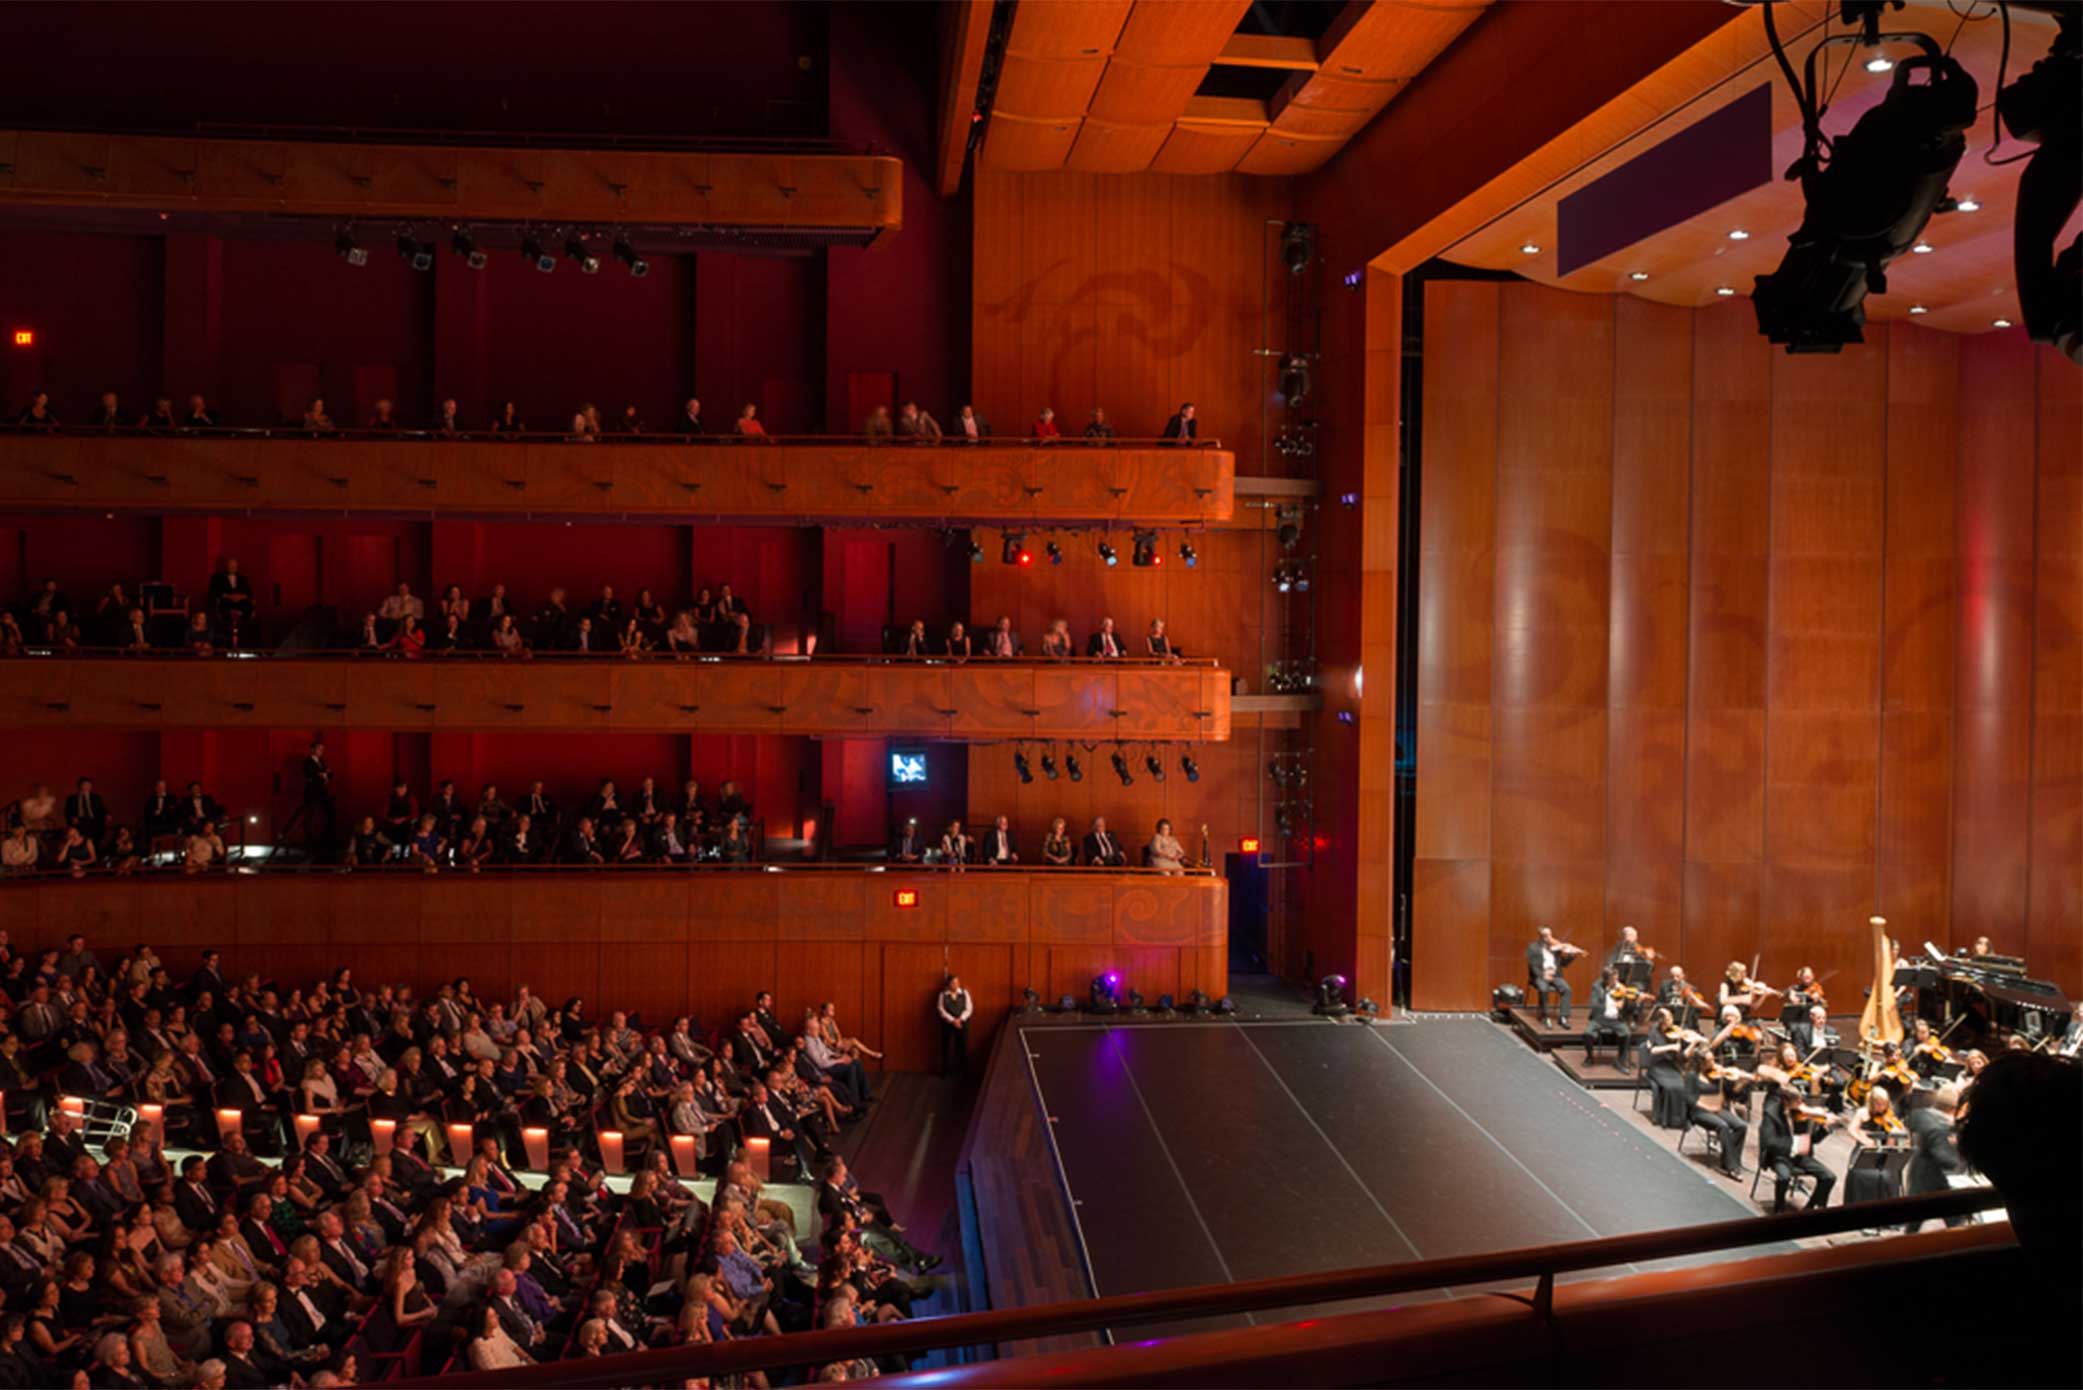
[1936,1051]
[1711,1070]
[1814,1114]
[1686,1036]
[1744,1032]
[1694,998]
[1625,994]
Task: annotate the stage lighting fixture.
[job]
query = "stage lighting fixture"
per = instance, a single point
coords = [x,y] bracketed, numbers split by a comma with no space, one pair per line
[1638,275]
[1869,193]
[1030,1001]
[1301,573]
[1188,556]
[1013,550]
[1196,1003]
[1120,762]
[1290,533]
[1066,1004]
[414,252]
[1283,578]
[976,553]
[1049,766]
[1225,1007]
[1105,995]
[1106,553]
[350,250]
[1166,1004]
[1144,554]
[1072,768]
[1879,64]
[1330,997]
[1294,378]
[536,254]
[1503,1000]
[1297,247]
[1054,552]
[464,244]
[1135,1002]
[1021,766]
[2045,105]
[1284,819]
[1367,1008]
[575,251]
[1154,766]
[1188,766]
[625,253]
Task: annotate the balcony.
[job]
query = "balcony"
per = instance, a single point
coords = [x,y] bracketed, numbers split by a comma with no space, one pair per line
[679,478]
[842,696]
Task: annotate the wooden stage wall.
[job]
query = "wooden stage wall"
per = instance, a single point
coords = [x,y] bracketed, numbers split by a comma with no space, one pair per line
[1741,648]
[671,942]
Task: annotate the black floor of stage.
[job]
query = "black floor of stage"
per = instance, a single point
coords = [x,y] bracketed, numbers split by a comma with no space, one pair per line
[1209,1153]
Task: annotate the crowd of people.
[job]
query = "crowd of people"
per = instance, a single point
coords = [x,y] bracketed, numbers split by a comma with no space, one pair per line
[956,849]
[328,1179]
[586,424]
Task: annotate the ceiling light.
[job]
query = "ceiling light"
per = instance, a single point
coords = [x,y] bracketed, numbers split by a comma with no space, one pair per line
[1724,291]
[1922,248]
[1054,552]
[1738,234]
[575,251]
[465,245]
[1967,205]
[1878,64]
[1918,309]
[625,253]
[1106,553]
[414,252]
[533,252]
[1638,275]
[350,250]
[1531,248]
[1999,323]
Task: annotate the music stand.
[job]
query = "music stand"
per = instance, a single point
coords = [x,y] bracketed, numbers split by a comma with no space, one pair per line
[1889,1162]
[1636,972]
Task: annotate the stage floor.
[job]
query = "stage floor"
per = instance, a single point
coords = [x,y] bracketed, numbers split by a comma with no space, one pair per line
[1202,1153]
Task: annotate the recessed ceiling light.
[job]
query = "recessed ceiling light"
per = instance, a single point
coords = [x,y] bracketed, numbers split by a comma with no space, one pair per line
[1999,323]
[1879,64]
[1724,291]
[1967,205]
[1918,309]
[1923,248]
[1529,248]
[1738,234]
[1638,275]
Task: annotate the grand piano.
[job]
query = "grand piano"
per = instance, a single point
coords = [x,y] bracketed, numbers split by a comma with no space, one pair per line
[1993,994]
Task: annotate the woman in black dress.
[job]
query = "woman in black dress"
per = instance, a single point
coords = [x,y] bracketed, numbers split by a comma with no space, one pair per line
[1664,1046]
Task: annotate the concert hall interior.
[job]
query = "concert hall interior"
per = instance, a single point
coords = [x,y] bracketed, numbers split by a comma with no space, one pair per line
[1012,692]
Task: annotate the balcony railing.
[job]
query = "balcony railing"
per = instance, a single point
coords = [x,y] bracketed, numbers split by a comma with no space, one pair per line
[676,476]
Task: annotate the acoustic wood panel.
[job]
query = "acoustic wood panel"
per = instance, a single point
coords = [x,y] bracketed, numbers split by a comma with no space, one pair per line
[1773,643]
[548,480]
[668,944]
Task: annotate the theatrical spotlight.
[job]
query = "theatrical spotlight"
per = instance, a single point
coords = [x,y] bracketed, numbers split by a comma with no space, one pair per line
[1145,553]
[1154,766]
[1367,1010]
[1330,997]
[1135,1002]
[1196,1003]
[1297,247]
[1049,766]
[1013,550]
[1120,762]
[1020,766]
[625,253]
[1072,768]
[1869,192]
[1166,1005]
[464,244]
[1054,552]
[1294,378]
[1188,555]
[976,553]
[1225,1007]
[1284,578]
[414,252]
[350,250]
[1106,553]
[1290,533]
[575,251]
[1106,998]
[1188,766]
[1503,1000]
[536,254]
[2042,106]
[1066,1004]
[1030,1001]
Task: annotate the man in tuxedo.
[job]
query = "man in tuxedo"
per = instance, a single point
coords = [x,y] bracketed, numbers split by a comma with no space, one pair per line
[162,813]
[1103,851]
[207,976]
[954,1009]
[1608,1021]
[1786,1146]
[607,611]
[86,812]
[998,848]
[1546,959]
[908,845]
[448,810]
[691,417]
[764,1118]
[1933,1156]
[1104,643]
[1810,1032]
[314,1311]
[200,811]
[1183,426]
[231,596]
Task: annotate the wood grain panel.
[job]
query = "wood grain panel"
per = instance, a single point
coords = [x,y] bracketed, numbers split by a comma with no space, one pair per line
[2056,892]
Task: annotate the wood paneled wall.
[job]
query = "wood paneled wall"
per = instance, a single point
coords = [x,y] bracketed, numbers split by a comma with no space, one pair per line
[701,943]
[1134,292]
[1738,647]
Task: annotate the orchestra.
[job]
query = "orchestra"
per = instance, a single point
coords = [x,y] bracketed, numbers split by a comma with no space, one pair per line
[1894,1088]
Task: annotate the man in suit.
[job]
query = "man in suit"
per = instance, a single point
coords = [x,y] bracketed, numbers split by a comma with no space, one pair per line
[1786,1146]
[1002,641]
[314,1312]
[764,1118]
[584,848]
[20,1271]
[199,810]
[1103,851]
[908,845]
[998,848]
[260,1237]
[1934,1157]
[1608,1021]
[1104,643]
[231,595]
[1546,958]
[341,1257]
[553,624]
[162,813]
[607,611]
[194,1203]
[1183,426]
[207,976]
[954,1008]
[184,1314]
[1629,948]
[319,807]
[83,1076]
[970,425]
[86,812]
[1813,1031]
[1098,426]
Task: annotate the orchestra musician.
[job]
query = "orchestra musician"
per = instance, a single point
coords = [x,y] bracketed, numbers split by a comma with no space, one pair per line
[1790,1126]
[1739,989]
[1973,1061]
[1714,1097]
[1737,1041]
[2071,1044]
[1546,959]
[1804,991]
[1609,1015]
[1934,1158]
[1680,997]
[1878,1126]
[1981,947]
[1629,948]
[1663,1054]
[1927,1054]
[1812,1032]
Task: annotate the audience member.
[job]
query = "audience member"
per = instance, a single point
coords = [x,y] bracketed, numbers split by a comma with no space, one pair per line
[1183,426]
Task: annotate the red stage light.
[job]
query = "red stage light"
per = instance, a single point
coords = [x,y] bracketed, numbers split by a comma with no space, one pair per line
[1249,844]
[1026,557]
[25,337]
[907,897]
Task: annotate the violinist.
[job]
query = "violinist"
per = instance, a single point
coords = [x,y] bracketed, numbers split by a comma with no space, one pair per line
[1878,1126]
[1789,1128]
[1812,1032]
[1737,1041]
[1714,1101]
[1804,992]
[1739,989]
[1890,1067]
[1629,948]
[1546,959]
[1610,1003]
[1680,997]
[1663,1054]
[2071,1044]
[1973,1062]
[1927,1054]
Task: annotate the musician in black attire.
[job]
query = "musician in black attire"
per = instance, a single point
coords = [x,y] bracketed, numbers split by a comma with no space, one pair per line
[1663,1051]
[1933,1157]
[1877,1127]
[1546,959]
[1813,1031]
[1786,1144]
[319,806]
[1722,1117]
[1608,1021]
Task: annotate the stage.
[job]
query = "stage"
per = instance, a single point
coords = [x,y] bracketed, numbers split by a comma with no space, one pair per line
[1208,1152]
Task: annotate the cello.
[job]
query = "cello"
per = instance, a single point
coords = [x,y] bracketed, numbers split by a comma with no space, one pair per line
[1882,1020]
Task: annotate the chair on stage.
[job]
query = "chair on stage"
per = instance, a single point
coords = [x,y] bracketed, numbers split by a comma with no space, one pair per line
[1799,1184]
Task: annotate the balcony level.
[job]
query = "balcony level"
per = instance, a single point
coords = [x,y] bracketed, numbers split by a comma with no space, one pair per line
[842,696]
[653,476]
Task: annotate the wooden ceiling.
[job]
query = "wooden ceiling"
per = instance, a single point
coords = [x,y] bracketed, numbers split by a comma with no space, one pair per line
[1964,283]
[1108,86]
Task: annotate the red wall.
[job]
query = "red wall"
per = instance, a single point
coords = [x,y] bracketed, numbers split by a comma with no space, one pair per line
[93,303]
[758,339]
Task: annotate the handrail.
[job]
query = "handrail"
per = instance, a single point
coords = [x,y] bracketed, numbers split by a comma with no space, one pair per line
[1091,1315]
[718,439]
[271,868]
[180,656]
[503,139]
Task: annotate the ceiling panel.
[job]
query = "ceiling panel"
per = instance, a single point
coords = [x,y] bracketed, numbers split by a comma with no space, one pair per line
[1105,148]
[1134,94]
[1159,34]
[1067,28]
[1204,149]
[1395,38]
[1038,87]
[1279,153]
[1016,144]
